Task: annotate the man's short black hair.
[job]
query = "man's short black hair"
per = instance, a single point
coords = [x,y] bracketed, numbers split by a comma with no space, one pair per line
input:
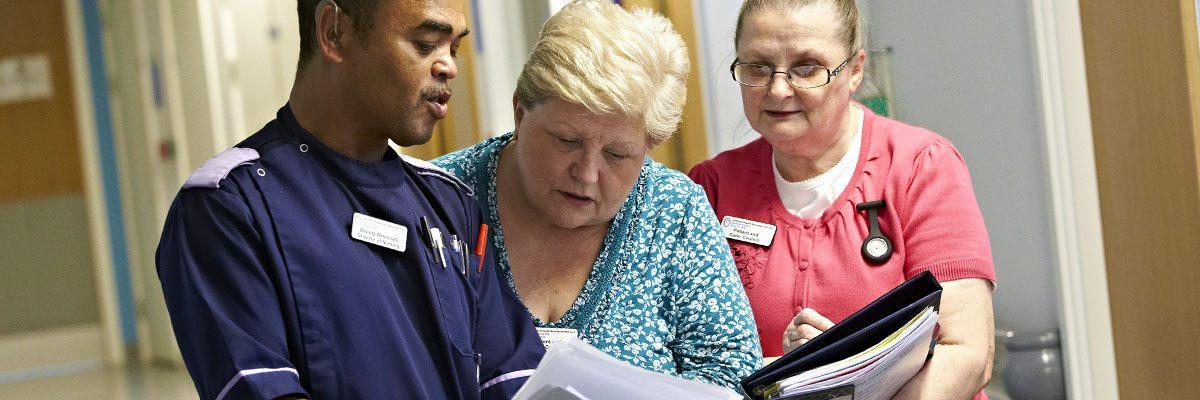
[362,12]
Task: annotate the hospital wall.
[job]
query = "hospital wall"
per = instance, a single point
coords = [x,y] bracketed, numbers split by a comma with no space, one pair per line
[46,273]
[48,294]
[966,70]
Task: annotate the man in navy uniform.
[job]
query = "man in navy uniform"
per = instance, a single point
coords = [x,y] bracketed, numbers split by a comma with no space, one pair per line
[312,261]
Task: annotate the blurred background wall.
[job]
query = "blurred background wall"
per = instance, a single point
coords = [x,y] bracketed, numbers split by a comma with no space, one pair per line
[48,292]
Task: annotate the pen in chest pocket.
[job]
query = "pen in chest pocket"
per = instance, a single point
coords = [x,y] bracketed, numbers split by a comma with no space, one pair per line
[459,251]
[439,246]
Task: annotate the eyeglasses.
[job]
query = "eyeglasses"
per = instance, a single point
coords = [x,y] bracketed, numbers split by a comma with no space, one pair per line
[800,76]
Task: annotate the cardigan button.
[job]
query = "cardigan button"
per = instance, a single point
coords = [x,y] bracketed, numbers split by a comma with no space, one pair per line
[804,265]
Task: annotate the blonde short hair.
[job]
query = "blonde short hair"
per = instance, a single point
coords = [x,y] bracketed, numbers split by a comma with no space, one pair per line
[610,61]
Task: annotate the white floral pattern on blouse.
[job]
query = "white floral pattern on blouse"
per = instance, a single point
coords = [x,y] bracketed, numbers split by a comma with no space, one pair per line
[664,293]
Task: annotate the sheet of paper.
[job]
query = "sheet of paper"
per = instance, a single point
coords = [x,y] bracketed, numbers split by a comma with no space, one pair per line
[877,373]
[597,375]
[865,358]
[558,393]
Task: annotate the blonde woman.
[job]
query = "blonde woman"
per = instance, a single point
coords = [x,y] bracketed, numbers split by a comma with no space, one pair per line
[597,239]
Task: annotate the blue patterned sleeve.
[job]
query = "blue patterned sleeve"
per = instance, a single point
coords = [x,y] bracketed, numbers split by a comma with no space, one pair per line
[716,339]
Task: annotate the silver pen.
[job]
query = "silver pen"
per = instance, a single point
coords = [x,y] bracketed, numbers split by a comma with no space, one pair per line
[459,250]
[439,245]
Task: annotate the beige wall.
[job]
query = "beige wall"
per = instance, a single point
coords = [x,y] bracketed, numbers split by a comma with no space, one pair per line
[48,279]
[1144,81]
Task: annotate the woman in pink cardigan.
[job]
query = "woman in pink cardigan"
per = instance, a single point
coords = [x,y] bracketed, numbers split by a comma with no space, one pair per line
[834,206]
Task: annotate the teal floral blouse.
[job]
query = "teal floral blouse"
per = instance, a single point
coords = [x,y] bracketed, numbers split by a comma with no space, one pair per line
[664,293]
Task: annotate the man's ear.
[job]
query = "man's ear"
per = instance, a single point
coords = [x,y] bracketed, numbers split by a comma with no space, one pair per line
[332,25]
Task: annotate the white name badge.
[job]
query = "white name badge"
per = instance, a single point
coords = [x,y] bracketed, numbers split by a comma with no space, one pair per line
[550,336]
[748,231]
[379,232]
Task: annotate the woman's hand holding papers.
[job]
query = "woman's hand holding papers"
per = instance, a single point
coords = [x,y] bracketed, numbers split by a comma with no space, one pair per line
[806,325]
[961,363]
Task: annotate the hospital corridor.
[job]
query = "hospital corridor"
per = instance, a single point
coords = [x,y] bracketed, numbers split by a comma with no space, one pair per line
[192,204]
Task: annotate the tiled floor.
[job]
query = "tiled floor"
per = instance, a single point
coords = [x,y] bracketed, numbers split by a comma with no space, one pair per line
[130,383]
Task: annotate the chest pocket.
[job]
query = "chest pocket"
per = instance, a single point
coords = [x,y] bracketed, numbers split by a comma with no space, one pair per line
[455,298]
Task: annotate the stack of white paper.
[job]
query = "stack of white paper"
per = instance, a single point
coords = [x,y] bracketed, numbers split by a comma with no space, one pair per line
[876,373]
[574,370]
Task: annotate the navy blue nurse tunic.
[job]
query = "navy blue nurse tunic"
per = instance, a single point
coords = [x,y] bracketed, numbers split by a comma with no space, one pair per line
[270,296]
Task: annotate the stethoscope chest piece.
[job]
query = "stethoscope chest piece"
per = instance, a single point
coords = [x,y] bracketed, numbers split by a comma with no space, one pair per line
[876,247]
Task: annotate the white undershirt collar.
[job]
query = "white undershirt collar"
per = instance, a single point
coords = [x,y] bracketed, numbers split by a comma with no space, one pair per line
[810,198]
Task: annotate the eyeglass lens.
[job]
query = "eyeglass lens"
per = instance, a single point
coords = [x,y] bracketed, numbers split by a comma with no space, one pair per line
[802,76]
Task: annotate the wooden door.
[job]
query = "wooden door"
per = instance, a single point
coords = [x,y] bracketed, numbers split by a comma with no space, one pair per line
[1143,72]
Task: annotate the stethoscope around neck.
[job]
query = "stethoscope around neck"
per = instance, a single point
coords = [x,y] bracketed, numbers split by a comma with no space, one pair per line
[876,247]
